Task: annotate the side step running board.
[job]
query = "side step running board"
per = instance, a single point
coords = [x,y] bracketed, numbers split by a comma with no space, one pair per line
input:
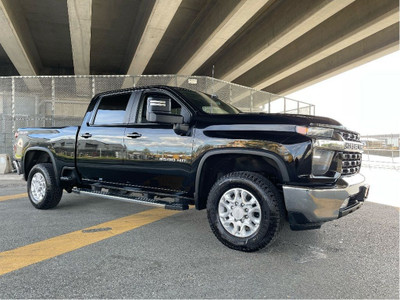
[134,199]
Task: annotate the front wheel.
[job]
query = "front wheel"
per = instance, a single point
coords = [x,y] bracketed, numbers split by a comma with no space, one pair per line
[43,191]
[245,211]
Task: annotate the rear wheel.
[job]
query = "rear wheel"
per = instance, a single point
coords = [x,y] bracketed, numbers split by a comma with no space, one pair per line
[245,211]
[43,191]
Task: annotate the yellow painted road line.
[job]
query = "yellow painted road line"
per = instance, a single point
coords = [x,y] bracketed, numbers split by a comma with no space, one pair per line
[30,254]
[10,197]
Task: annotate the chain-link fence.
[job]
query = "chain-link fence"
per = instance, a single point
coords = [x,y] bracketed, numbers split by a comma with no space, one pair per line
[39,101]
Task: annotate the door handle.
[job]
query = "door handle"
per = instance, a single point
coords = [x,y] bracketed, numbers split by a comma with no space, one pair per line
[86,135]
[133,135]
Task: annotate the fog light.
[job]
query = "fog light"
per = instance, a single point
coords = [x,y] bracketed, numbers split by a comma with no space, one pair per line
[322,160]
[345,203]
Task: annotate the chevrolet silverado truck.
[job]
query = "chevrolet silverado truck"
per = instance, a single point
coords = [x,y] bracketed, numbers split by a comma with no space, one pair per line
[174,147]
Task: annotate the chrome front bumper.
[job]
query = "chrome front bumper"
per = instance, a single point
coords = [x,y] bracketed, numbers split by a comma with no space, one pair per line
[310,207]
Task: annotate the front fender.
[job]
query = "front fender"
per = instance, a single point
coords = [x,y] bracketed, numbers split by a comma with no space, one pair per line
[262,153]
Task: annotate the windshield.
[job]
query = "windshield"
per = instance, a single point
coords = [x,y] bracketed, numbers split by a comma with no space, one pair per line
[208,104]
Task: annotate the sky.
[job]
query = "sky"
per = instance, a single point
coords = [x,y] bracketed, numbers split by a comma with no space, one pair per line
[365,99]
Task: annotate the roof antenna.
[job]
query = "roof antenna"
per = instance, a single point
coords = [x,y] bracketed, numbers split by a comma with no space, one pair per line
[214,96]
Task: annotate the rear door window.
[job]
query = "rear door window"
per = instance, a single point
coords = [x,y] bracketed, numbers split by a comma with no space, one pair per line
[112,110]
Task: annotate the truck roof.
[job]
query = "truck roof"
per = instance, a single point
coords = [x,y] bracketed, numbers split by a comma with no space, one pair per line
[165,87]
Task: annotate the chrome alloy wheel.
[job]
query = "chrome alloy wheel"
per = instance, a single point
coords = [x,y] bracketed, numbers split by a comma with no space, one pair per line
[38,187]
[239,212]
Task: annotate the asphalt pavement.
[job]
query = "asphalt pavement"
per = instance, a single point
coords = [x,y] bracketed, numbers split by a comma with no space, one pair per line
[177,256]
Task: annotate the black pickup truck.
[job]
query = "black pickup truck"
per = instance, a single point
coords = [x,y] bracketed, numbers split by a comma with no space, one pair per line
[173,147]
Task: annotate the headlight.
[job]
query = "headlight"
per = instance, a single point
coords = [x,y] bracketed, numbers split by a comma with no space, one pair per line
[321,161]
[315,131]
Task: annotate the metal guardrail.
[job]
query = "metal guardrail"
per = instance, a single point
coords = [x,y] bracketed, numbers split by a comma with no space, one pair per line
[382,148]
[381,151]
[384,153]
[382,156]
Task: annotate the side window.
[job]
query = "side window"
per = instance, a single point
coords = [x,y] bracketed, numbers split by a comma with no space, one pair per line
[112,110]
[176,108]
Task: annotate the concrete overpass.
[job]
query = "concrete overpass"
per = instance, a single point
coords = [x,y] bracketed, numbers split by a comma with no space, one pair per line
[274,45]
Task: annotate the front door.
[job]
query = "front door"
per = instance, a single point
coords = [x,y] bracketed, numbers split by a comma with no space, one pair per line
[158,159]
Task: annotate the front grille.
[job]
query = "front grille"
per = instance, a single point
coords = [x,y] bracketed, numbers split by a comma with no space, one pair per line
[350,136]
[351,163]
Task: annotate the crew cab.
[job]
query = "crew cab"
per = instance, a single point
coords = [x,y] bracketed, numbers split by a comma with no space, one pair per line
[174,147]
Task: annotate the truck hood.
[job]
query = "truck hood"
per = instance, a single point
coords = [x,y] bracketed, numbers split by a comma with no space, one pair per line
[264,118]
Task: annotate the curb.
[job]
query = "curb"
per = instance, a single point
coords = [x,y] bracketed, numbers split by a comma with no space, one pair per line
[11,176]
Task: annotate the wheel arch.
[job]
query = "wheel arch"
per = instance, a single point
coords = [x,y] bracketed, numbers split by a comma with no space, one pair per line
[262,159]
[35,155]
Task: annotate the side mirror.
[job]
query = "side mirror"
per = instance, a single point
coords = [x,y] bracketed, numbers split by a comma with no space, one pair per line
[159,111]
[181,129]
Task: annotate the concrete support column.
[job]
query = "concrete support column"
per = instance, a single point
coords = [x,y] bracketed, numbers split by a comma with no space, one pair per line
[80,24]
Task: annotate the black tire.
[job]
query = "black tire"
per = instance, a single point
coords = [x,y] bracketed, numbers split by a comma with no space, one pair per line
[271,218]
[52,192]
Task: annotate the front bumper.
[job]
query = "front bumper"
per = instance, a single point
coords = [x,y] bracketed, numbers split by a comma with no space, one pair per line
[308,208]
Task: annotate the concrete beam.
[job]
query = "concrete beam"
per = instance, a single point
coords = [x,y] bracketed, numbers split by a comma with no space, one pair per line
[208,36]
[379,44]
[354,23]
[280,26]
[80,23]
[159,20]
[16,39]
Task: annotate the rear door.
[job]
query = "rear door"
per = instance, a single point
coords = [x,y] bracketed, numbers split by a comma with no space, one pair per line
[158,158]
[100,151]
